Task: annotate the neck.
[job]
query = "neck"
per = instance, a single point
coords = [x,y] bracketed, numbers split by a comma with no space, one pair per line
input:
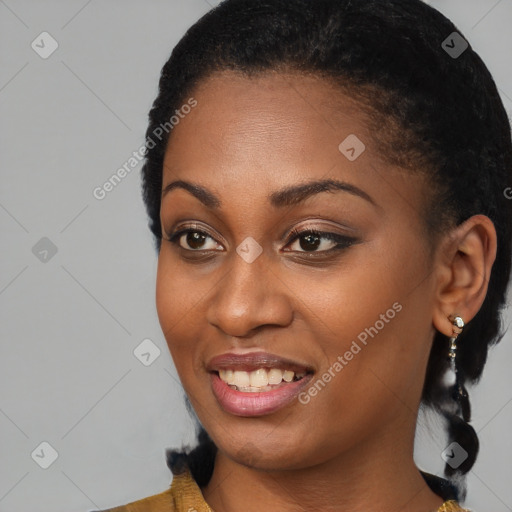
[379,476]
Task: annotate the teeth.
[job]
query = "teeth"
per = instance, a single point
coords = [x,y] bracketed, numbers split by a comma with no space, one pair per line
[241,379]
[251,389]
[275,376]
[288,376]
[257,380]
[227,376]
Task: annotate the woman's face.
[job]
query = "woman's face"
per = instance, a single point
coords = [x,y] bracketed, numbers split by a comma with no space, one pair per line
[350,306]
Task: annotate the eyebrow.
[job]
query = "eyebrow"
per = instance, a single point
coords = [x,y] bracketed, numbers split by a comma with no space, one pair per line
[285,197]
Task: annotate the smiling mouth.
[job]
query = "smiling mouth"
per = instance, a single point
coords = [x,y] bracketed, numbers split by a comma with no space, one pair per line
[260,380]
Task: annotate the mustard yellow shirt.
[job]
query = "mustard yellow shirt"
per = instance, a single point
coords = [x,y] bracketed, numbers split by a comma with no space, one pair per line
[184,495]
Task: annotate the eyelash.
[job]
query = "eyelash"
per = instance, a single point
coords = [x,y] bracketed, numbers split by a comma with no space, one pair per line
[342,241]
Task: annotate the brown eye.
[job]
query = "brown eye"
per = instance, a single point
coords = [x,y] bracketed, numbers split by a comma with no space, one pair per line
[194,240]
[317,241]
[310,242]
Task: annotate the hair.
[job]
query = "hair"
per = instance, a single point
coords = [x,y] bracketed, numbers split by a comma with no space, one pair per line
[443,117]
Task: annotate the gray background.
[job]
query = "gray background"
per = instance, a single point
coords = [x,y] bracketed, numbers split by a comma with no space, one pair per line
[70,322]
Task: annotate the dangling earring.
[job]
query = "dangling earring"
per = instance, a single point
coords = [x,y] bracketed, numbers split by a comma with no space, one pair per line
[459,393]
[458,325]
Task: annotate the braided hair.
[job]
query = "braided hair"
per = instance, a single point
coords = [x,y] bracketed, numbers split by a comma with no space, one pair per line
[443,118]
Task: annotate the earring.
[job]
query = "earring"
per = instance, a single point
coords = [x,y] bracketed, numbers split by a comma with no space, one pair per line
[458,325]
[459,393]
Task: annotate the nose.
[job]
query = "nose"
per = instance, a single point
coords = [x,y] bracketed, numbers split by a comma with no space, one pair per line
[250,296]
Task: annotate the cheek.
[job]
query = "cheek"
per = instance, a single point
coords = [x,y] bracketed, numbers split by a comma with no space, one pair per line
[344,302]
[176,301]
[176,296]
[167,303]
[367,313]
[181,308]
[171,309]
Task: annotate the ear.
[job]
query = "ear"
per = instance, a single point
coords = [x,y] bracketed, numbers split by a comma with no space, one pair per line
[463,268]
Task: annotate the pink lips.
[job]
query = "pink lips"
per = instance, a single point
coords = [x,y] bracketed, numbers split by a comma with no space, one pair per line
[255,403]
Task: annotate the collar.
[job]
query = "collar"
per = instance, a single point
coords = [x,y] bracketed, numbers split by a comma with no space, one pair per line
[186,493]
[188,496]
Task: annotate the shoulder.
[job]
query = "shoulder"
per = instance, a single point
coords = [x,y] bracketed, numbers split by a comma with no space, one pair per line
[162,502]
[182,496]
[452,506]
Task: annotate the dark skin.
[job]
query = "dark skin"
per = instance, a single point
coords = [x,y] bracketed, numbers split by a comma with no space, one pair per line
[351,446]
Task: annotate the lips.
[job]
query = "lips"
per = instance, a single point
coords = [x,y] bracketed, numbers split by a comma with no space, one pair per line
[239,403]
[250,401]
[254,361]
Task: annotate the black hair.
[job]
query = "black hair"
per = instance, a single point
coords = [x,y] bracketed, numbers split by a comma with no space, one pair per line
[439,113]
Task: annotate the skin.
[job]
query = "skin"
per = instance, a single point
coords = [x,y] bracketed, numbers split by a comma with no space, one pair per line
[351,446]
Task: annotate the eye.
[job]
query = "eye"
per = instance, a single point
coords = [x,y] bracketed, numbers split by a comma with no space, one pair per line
[194,240]
[319,241]
[306,241]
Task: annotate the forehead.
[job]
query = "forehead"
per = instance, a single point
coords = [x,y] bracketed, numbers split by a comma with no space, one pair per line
[274,91]
[273,119]
[250,136]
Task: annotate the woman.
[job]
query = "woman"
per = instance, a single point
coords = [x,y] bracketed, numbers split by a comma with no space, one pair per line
[325,183]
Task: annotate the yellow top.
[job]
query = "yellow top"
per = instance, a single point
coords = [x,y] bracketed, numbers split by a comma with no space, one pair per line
[184,495]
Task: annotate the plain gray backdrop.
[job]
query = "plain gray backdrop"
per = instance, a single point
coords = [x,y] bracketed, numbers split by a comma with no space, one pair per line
[77,280]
